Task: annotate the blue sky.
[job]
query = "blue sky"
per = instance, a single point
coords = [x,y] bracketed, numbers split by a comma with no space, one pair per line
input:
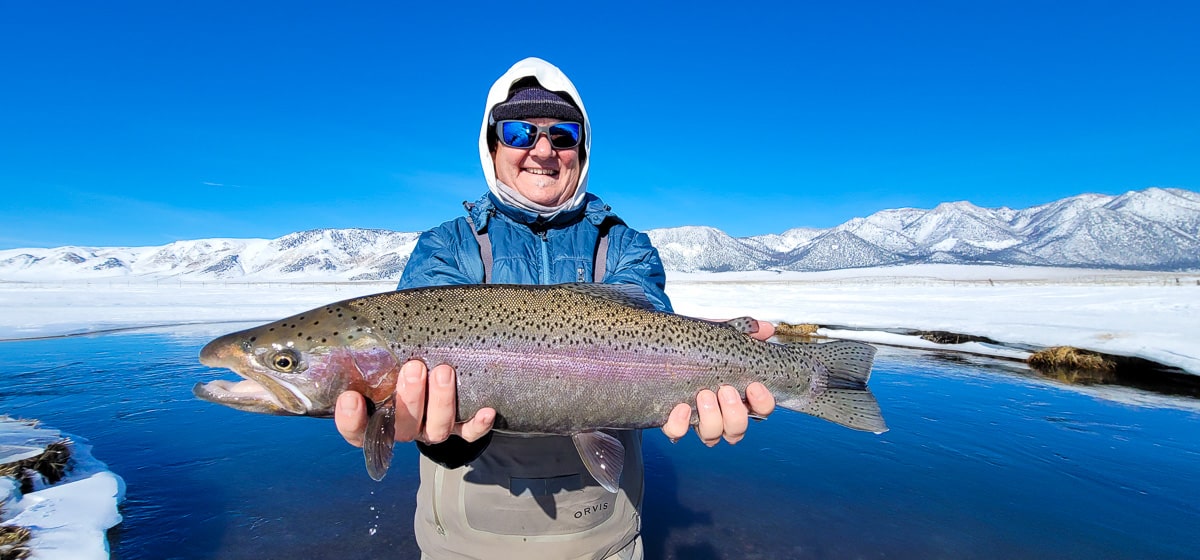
[141,123]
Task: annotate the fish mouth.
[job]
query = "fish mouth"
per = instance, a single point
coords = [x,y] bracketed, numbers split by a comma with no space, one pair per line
[257,392]
[247,394]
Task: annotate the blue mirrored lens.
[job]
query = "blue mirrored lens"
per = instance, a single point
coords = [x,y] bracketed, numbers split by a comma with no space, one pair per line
[564,135]
[518,134]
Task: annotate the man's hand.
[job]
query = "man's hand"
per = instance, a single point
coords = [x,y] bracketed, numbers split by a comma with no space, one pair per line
[723,414]
[425,409]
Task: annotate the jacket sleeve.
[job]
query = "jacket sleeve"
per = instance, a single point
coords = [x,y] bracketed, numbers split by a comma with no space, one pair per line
[441,258]
[632,259]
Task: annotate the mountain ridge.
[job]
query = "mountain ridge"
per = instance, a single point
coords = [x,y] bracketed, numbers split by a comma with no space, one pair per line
[1150,229]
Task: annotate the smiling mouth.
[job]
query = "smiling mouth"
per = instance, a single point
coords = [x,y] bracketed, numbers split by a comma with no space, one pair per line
[540,171]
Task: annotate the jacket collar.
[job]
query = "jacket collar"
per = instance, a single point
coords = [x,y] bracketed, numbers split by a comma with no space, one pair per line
[594,211]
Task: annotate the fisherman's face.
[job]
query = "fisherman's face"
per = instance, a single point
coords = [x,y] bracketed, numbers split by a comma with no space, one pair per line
[543,174]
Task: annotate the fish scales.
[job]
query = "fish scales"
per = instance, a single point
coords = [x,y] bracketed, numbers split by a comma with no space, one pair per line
[550,360]
[567,359]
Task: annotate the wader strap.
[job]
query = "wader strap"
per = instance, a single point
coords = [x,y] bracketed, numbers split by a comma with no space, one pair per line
[485,245]
[599,260]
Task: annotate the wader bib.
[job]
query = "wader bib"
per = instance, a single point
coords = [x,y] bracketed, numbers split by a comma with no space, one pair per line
[528,497]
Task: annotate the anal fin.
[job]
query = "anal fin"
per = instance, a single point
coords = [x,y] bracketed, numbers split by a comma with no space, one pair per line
[604,457]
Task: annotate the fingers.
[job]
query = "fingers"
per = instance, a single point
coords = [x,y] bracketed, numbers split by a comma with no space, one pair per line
[766,330]
[734,415]
[440,411]
[711,424]
[723,415]
[410,400]
[678,423]
[762,402]
[478,426]
[426,408]
[350,415]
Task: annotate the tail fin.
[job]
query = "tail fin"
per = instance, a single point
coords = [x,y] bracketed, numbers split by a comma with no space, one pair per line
[839,392]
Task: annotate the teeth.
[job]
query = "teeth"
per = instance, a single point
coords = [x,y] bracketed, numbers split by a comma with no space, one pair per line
[541,171]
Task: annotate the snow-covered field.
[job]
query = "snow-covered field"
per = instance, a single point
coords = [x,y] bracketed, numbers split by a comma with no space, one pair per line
[1145,314]
[1150,315]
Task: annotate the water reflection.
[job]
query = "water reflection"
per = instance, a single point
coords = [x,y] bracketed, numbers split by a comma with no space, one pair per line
[984,459]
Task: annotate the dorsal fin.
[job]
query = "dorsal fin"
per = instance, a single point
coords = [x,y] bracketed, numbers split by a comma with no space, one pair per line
[625,294]
[745,325]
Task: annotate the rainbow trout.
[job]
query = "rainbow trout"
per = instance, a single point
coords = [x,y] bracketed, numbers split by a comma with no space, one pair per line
[568,359]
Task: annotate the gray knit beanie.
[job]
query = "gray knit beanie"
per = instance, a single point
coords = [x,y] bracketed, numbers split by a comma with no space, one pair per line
[529,101]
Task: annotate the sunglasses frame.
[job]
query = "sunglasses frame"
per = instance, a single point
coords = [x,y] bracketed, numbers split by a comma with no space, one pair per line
[540,131]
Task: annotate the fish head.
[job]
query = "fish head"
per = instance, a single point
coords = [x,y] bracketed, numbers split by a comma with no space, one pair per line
[299,366]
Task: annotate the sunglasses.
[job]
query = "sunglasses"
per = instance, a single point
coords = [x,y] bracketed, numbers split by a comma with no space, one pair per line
[524,134]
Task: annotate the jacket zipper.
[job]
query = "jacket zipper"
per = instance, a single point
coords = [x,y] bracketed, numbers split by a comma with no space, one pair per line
[545,257]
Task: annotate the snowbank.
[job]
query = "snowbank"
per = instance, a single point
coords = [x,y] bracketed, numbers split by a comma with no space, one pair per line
[68,520]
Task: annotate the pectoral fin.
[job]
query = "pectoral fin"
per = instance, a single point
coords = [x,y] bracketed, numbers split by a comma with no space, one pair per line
[604,457]
[379,439]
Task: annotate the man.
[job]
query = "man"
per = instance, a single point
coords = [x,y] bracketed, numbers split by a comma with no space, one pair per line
[488,495]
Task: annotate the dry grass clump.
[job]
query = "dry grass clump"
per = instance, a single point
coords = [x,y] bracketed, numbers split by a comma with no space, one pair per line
[51,465]
[12,542]
[799,329]
[1069,357]
[946,337]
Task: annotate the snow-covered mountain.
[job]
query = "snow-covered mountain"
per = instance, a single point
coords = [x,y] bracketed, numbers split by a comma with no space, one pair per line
[319,255]
[706,248]
[1152,229]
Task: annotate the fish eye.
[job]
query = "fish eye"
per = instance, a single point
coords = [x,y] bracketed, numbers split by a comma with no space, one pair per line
[285,361]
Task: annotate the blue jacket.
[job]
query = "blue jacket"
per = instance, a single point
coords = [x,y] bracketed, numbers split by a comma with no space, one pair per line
[527,250]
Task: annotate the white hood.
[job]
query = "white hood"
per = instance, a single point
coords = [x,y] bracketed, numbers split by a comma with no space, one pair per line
[553,79]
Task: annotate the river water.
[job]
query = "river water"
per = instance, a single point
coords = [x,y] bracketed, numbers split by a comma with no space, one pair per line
[983,460]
